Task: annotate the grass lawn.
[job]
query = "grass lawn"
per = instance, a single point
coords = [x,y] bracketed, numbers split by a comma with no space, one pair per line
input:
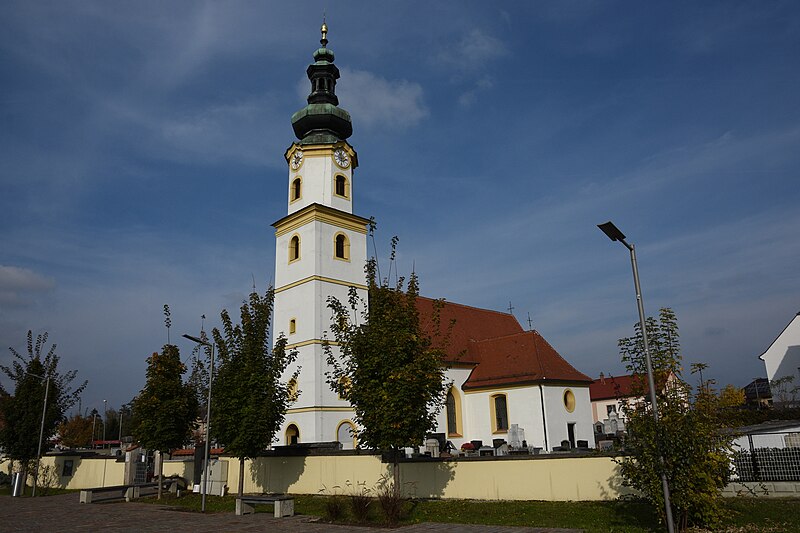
[5,490]
[742,514]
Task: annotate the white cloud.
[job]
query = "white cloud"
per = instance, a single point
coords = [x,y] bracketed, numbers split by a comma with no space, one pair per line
[469,98]
[22,279]
[472,51]
[375,101]
[20,286]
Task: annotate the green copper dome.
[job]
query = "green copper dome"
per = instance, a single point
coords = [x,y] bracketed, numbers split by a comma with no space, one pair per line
[322,121]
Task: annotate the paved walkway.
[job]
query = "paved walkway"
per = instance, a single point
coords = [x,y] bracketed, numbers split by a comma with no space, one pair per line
[56,514]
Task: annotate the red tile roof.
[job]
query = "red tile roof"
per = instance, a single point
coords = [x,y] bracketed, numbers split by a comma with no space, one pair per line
[184,452]
[471,324]
[611,387]
[503,352]
[607,388]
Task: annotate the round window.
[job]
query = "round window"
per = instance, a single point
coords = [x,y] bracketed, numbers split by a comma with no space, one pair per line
[569,400]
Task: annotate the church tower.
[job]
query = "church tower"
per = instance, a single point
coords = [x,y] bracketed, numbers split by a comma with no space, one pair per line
[320,251]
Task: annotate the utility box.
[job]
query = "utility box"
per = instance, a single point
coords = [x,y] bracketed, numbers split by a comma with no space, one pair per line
[217,478]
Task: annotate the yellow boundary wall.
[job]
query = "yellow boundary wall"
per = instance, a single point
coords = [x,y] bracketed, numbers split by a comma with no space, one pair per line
[540,478]
[552,479]
[87,472]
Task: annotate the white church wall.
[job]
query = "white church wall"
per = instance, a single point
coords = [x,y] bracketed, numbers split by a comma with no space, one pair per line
[289,271]
[457,377]
[351,270]
[559,416]
[524,409]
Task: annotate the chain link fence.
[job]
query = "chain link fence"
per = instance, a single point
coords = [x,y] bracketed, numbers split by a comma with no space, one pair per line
[767,457]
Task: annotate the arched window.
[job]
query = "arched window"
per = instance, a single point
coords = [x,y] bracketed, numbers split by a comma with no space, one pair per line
[346,434]
[500,419]
[292,326]
[296,188]
[341,247]
[344,386]
[292,435]
[293,391]
[341,187]
[453,408]
[294,248]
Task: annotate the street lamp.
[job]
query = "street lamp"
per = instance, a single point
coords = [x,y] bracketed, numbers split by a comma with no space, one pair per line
[615,234]
[41,429]
[204,489]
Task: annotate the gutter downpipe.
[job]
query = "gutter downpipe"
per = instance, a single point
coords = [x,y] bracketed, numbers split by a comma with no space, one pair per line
[544,417]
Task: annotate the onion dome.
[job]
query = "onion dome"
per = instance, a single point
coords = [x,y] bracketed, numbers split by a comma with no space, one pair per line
[322,121]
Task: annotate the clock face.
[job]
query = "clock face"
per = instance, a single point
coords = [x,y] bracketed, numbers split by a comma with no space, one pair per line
[297,159]
[341,158]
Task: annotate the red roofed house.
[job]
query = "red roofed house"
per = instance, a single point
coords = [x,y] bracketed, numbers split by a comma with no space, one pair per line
[504,375]
[607,393]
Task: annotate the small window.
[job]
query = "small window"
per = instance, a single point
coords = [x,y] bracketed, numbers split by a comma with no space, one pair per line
[569,400]
[341,246]
[500,413]
[293,392]
[292,435]
[296,188]
[292,326]
[340,186]
[611,409]
[294,248]
[67,469]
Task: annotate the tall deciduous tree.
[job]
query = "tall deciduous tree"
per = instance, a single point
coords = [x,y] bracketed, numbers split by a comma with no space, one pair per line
[165,408]
[382,362]
[250,400]
[76,432]
[687,436]
[22,410]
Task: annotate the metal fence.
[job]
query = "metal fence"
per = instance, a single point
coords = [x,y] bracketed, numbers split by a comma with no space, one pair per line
[767,457]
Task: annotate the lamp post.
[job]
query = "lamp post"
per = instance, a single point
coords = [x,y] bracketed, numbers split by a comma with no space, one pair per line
[615,234]
[94,421]
[204,488]
[121,414]
[41,429]
[105,421]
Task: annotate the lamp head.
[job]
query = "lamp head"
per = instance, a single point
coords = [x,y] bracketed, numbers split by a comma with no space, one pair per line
[612,231]
[197,340]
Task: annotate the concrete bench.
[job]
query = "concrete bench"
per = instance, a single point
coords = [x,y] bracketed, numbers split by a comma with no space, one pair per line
[124,492]
[104,494]
[284,505]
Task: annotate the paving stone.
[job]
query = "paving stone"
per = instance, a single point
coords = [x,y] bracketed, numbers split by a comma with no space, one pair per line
[65,514]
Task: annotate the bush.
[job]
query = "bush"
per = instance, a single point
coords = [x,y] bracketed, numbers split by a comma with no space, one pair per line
[390,499]
[334,503]
[360,501]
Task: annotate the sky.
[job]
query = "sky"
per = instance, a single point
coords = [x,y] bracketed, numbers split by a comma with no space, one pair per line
[141,164]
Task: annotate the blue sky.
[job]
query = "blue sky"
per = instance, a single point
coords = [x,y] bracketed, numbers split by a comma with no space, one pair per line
[141,163]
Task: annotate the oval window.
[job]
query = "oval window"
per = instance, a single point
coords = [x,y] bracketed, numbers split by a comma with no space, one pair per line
[569,400]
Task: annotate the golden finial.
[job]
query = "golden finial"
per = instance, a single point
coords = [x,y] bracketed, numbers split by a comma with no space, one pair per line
[324,30]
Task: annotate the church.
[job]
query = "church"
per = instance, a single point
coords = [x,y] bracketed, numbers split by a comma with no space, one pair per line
[503,378]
